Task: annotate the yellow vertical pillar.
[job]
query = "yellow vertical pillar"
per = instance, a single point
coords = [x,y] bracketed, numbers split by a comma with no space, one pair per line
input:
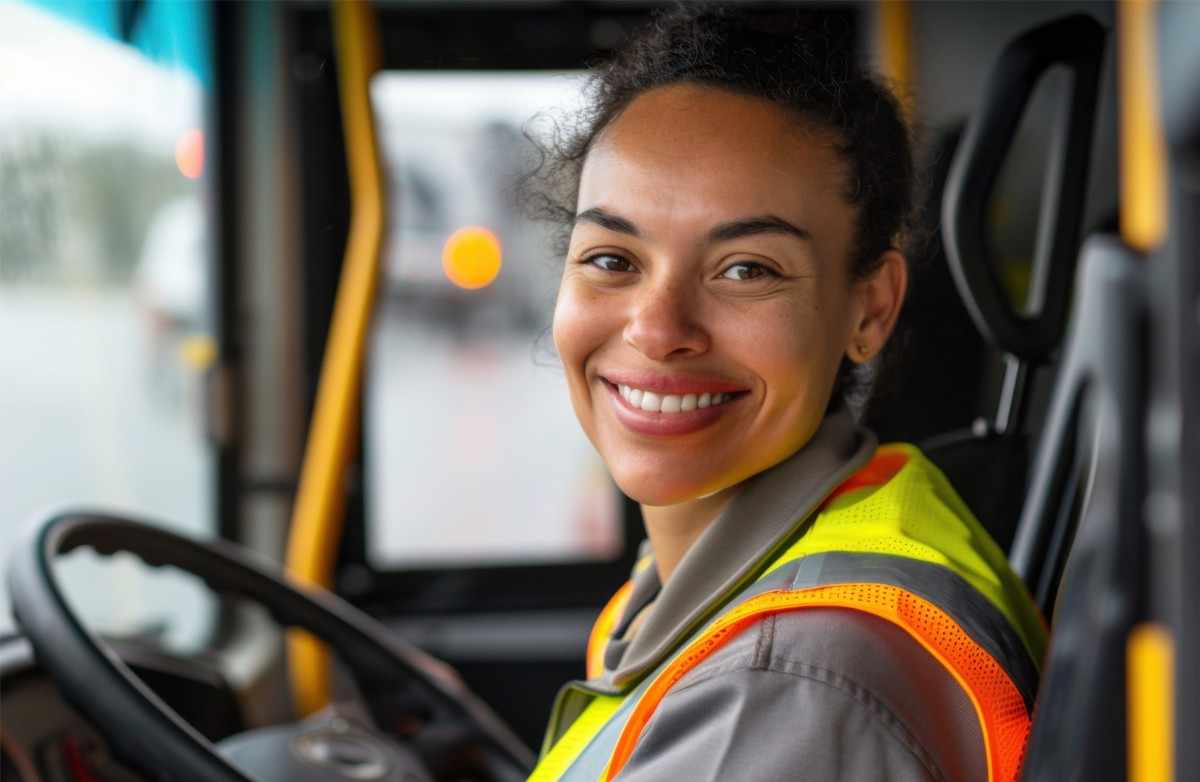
[1143,148]
[894,45]
[1151,668]
[316,525]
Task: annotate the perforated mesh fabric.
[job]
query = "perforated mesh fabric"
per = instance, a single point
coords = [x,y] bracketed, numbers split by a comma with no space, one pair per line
[898,505]
[997,701]
[901,504]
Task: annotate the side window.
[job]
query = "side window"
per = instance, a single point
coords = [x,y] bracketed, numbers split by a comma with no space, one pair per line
[103,321]
[473,452]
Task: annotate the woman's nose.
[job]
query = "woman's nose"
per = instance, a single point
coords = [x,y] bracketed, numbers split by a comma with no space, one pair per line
[664,322]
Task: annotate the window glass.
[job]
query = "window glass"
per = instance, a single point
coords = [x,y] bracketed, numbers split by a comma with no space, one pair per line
[104,332]
[473,452]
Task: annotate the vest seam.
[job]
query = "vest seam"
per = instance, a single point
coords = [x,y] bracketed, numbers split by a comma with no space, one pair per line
[764,645]
[874,705]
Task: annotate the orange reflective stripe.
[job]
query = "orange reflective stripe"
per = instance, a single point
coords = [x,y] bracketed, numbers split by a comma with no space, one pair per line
[1001,710]
[603,628]
[882,468]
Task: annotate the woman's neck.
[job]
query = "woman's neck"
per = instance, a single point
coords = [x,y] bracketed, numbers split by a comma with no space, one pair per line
[673,529]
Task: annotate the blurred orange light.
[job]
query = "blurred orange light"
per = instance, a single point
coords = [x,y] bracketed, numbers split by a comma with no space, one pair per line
[471,257]
[189,154]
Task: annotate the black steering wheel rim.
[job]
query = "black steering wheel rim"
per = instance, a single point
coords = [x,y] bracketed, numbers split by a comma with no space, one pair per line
[140,726]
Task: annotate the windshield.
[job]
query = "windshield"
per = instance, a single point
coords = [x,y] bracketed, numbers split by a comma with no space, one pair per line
[103,249]
[460,331]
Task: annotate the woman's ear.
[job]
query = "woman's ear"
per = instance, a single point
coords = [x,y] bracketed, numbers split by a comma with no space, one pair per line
[878,298]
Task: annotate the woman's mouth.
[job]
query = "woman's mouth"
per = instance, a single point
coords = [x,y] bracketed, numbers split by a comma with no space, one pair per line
[652,402]
[648,412]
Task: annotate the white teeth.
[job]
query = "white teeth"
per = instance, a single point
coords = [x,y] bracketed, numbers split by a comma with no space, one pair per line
[653,402]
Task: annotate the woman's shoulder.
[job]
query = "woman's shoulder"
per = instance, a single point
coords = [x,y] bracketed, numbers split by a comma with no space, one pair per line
[901,505]
[860,672]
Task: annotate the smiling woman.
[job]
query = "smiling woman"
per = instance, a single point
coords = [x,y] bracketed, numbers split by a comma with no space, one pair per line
[736,200]
[733,280]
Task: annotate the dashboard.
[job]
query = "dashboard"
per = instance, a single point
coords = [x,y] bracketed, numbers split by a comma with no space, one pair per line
[44,739]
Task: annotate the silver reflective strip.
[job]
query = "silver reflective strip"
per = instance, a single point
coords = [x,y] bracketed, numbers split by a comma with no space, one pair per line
[591,762]
[941,586]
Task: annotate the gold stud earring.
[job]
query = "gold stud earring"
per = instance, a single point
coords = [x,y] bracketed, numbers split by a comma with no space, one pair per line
[862,349]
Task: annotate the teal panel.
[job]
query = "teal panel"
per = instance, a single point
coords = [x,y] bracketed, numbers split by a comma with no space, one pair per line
[173,32]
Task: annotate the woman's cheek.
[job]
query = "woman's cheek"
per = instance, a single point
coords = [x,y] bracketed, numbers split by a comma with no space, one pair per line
[578,332]
[569,327]
[793,358]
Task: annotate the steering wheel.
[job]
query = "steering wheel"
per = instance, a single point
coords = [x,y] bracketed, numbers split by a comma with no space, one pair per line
[437,726]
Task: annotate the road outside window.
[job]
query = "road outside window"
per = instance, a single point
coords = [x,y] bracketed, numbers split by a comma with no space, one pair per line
[474,453]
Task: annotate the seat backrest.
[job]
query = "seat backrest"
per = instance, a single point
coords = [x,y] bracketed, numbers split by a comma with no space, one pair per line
[987,461]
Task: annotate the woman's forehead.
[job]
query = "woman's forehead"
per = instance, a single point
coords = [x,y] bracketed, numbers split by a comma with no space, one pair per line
[713,151]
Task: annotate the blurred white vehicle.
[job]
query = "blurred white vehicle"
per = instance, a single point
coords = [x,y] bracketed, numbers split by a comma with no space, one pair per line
[170,287]
[170,282]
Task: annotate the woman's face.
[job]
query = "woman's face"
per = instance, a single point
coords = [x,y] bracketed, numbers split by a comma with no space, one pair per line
[706,300]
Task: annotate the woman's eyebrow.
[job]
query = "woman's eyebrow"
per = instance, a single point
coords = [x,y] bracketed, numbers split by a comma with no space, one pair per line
[749,226]
[607,220]
[734,229]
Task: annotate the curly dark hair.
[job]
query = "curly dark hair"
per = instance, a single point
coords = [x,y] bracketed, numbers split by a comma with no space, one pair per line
[787,59]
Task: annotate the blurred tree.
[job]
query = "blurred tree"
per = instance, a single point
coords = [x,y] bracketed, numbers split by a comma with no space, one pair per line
[92,202]
[31,200]
[118,188]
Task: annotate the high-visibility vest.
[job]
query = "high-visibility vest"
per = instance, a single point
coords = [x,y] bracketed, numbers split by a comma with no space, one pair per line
[894,541]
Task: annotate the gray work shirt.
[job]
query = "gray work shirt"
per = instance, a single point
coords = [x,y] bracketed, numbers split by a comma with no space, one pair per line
[819,695]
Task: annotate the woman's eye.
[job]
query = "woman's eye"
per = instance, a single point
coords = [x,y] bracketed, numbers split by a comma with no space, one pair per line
[747,270]
[609,263]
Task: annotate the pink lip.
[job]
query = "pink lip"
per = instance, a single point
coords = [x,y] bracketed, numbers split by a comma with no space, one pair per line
[664,424]
[672,384]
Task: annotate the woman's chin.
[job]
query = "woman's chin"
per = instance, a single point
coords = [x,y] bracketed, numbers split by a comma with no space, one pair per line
[657,491]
